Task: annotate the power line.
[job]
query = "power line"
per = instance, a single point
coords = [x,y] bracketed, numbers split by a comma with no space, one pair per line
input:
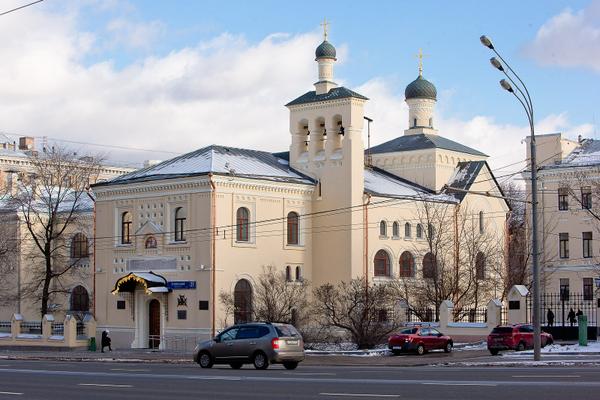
[19,8]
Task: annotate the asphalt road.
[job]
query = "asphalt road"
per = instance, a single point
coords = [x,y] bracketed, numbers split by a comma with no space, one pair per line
[107,380]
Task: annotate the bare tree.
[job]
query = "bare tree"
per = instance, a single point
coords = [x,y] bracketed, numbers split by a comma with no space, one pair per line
[9,244]
[51,203]
[275,299]
[365,312]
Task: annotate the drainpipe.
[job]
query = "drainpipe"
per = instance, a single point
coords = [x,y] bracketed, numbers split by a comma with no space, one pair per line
[213,272]
[94,253]
[456,249]
[366,241]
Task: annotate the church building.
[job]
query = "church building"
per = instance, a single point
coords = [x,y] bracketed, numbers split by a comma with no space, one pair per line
[173,236]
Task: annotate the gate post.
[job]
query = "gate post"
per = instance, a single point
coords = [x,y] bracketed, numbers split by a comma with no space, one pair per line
[517,304]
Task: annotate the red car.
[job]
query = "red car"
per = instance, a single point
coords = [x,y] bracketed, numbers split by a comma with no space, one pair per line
[514,337]
[420,340]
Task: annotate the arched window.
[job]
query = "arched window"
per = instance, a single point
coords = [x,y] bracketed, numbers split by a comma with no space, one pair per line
[382,263]
[480,266]
[180,219]
[288,273]
[243,226]
[382,228]
[292,228]
[419,231]
[80,300]
[126,221]
[79,246]
[429,266]
[431,122]
[150,242]
[481,222]
[430,231]
[298,274]
[395,229]
[242,302]
[407,232]
[407,265]
[414,122]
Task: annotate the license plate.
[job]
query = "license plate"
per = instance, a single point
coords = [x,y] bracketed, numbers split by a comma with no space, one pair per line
[292,342]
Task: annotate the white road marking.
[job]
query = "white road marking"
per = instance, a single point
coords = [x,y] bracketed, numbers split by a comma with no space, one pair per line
[105,385]
[359,395]
[12,393]
[310,373]
[546,376]
[458,384]
[129,369]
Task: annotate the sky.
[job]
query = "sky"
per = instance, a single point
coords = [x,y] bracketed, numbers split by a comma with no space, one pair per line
[172,77]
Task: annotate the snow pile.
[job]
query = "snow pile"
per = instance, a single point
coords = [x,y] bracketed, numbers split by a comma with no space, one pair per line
[592,347]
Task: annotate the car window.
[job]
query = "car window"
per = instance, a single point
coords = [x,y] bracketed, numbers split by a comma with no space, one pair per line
[409,331]
[424,332]
[526,329]
[263,331]
[247,332]
[502,329]
[229,334]
[286,330]
[433,332]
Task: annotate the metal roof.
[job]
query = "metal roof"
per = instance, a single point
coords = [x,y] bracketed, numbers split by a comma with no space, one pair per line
[218,160]
[333,94]
[423,141]
[588,154]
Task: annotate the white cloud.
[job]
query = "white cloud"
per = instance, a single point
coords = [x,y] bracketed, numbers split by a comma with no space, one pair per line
[569,39]
[135,35]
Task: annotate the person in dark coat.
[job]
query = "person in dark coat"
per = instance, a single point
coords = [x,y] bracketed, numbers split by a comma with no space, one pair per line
[105,341]
[550,317]
[571,317]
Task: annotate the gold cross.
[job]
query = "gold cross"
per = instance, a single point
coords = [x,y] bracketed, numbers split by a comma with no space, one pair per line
[420,56]
[324,24]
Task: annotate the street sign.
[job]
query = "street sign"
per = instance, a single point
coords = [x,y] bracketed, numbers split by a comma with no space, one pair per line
[177,285]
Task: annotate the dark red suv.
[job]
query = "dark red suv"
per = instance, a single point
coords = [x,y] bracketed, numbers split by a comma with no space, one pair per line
[419,339]
[514,337]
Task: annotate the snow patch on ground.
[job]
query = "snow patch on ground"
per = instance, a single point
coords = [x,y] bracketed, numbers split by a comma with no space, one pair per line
[5,335]
[592,347]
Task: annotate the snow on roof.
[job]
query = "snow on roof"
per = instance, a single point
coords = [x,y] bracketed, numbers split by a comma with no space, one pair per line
[587,154]
[382,183]
[464,176]
[218,160]
[65,201]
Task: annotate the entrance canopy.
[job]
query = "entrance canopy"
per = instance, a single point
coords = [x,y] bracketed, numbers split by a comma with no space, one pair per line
[149,281]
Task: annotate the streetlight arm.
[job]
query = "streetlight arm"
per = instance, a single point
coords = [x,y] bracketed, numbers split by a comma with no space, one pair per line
[517,76]
[529,116]
[529,108]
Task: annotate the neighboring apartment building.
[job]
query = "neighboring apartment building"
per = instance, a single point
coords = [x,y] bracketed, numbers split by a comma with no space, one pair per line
[569,213]
[173,236]
[22,260]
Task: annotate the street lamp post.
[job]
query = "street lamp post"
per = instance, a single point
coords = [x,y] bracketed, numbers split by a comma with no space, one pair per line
[522,95]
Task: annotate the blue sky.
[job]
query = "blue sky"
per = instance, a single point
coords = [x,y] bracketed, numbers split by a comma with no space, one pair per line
[109,42]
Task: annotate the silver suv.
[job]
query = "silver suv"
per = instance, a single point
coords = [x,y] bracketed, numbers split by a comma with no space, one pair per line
[258,343]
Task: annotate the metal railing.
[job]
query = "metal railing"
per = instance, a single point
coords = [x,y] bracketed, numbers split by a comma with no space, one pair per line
[80,330]
[558,307]
[58,329]
[181,344]
[471,315]
[504,316]
[421,315]
[31,327]
[5,326]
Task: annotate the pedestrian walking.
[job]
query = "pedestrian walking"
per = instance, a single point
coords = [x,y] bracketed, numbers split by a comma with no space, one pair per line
[571,317]
[105,341]
[550,317]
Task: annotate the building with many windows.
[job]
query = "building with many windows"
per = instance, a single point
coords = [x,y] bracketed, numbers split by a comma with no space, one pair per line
[173,236]
[569,220]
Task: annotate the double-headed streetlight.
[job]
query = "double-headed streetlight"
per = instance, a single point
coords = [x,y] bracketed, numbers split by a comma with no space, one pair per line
[522,94]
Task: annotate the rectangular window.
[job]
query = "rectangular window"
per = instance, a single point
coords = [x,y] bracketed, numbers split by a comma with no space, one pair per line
[586,198]
[564,289]
[588,289]
[563,245]
[181,314]
[203,305]
[563,199]
[120,304]
[587,244]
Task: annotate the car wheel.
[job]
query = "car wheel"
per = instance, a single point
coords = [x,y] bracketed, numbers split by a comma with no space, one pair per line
[236,365]
[520,346]
[494,352]
[290,364]
[448,347]
[205,360]
[260,360]
[420,349]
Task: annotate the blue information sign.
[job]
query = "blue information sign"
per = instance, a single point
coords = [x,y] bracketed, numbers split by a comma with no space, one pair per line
[181,285]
